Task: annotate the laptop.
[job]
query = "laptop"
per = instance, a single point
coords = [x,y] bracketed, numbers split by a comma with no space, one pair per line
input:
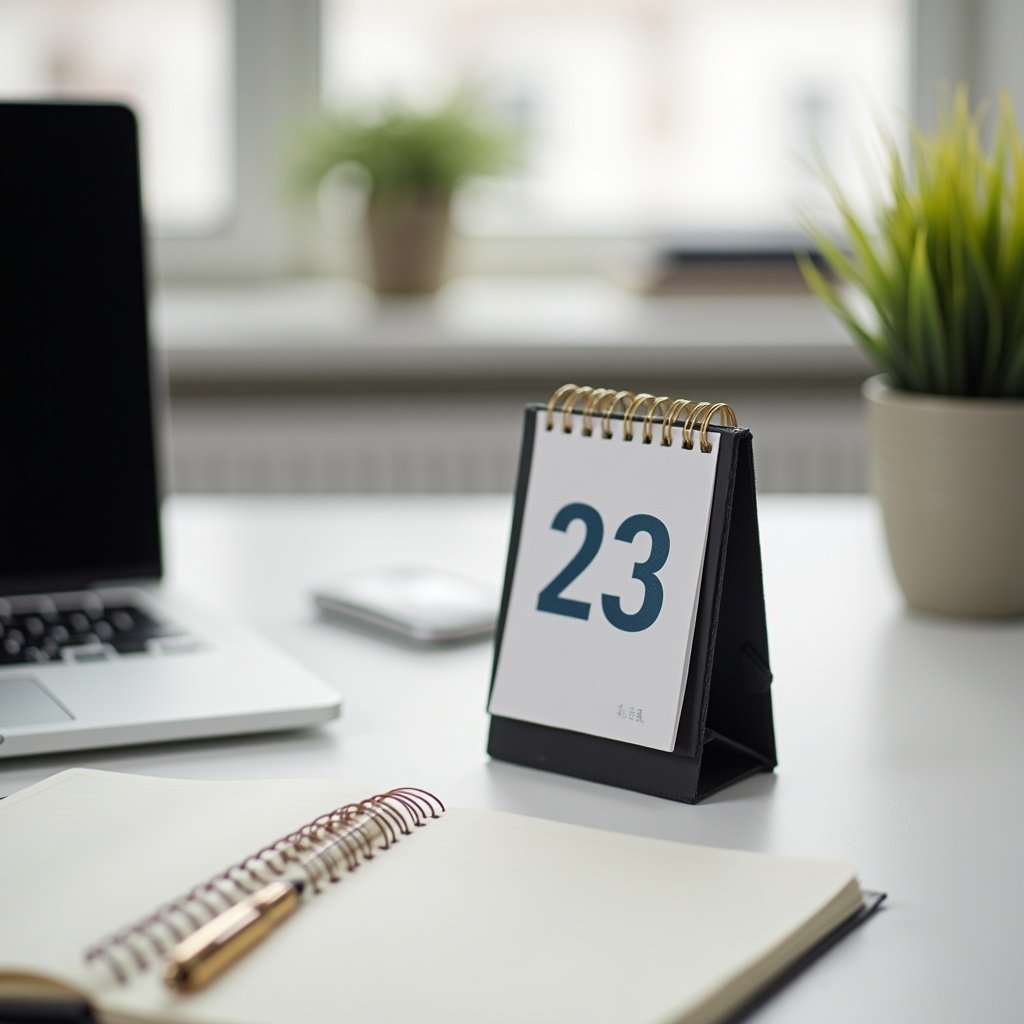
[92,651]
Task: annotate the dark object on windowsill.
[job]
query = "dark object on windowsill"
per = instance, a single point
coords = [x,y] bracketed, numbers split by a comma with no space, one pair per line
[717,265]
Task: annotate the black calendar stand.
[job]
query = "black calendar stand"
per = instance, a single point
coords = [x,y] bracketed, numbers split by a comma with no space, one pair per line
[726,730]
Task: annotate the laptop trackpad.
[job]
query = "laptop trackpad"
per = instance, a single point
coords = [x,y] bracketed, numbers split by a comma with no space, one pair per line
[24,702]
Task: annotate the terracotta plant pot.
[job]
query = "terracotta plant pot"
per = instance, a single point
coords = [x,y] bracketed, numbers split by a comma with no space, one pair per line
[408,243]
[949,475]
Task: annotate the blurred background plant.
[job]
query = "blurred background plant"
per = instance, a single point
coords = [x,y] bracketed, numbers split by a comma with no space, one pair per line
[406,154]
[940,263]
[411,162]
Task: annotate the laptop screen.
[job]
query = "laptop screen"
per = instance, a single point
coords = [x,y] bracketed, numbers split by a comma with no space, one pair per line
[78,486]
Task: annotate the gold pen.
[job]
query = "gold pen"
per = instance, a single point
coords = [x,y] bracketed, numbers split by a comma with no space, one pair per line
[200,958]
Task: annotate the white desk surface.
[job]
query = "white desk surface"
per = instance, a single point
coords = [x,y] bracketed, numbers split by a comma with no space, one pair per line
[899,737]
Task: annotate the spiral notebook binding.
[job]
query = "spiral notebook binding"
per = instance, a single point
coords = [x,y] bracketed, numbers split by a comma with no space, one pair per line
[642,408]
[316,853]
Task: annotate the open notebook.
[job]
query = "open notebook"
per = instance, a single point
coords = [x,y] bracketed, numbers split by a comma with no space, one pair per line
[479,915]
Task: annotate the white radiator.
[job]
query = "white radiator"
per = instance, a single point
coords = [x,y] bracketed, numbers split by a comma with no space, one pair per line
[418,445]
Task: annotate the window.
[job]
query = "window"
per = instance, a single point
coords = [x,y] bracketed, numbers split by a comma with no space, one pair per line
[638,116]
[168,59]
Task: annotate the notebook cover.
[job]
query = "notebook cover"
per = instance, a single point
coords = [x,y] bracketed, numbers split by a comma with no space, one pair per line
[872,901]
[44,1011]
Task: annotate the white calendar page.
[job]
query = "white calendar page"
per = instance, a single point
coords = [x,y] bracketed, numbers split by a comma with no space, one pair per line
[599,629]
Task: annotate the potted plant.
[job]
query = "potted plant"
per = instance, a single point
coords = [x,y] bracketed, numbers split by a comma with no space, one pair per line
[412,161]
[932,286]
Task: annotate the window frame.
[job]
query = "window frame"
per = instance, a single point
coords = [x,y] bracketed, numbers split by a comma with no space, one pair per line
[275,79]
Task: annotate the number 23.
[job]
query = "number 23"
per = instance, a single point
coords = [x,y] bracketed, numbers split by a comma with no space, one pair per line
[550,598]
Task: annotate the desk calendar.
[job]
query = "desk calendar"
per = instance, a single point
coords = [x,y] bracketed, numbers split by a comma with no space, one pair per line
[632,646]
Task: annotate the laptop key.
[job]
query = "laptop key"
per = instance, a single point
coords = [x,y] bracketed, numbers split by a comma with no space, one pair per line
[131,644]
[79,622]
[88,652]
[125,618]
[183,644]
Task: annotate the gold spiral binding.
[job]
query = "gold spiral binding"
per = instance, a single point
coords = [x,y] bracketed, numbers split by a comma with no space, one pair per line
[595,399]
[725,416]
[691,421]
[315,853]
[694,417]
[565,389]
[627,419]
[606,419]
[674,411]
[649,418]
[570,401]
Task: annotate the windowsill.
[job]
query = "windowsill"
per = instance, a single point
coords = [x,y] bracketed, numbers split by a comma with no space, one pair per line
[488,331]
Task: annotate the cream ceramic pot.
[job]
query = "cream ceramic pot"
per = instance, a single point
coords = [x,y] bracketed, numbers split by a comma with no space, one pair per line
[949,475]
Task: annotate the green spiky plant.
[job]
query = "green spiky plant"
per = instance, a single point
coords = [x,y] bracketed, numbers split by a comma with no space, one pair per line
[940,263]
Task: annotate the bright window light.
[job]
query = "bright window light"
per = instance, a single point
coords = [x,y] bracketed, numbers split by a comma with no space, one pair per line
[168,59]
[639,116]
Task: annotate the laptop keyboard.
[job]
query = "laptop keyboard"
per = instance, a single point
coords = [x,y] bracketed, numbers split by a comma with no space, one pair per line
[81,627]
